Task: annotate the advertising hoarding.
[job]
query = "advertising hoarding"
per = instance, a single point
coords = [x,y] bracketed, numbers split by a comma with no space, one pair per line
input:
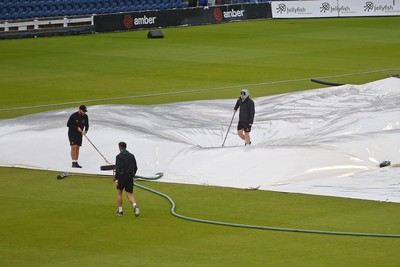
[304,9]
[370,8]
[181,17]
[335,8]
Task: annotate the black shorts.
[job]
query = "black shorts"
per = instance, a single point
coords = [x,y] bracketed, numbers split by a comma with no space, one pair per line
[75,139]
[125,182]
[244,125]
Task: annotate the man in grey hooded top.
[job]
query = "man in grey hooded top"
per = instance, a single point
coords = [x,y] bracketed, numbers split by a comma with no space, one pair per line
[246,115]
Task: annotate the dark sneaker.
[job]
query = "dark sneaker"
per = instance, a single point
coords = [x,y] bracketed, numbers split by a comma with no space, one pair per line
[248,144]
[76,165]
[119,214]
[136,210]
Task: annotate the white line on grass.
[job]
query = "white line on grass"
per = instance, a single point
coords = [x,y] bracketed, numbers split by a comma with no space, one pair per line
[195,91]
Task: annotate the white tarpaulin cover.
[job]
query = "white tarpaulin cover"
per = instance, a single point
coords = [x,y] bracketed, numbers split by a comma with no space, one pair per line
[325,142]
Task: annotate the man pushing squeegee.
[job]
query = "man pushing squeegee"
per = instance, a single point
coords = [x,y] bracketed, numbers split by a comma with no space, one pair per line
[78,126]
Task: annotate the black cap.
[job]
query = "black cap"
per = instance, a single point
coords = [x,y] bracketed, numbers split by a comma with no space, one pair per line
[83,108]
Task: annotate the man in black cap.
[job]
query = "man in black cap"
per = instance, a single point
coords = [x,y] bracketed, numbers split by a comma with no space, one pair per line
[125,170]
[78,125]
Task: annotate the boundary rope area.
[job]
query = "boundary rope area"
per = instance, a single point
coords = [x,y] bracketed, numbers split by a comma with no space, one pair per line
[259,226]
[195,91]
[157,176]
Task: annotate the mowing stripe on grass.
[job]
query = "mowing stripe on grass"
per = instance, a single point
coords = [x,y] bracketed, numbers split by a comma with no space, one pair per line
[306,231]
[198,90]
[260,227]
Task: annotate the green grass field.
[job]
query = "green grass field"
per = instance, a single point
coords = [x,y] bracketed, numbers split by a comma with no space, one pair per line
[71,222]
[251,54]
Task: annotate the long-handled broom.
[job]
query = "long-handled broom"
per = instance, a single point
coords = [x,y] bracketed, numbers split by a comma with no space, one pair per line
[109,165]
[233,116]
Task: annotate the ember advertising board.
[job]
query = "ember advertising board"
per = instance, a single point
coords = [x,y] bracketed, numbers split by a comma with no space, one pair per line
[181,17]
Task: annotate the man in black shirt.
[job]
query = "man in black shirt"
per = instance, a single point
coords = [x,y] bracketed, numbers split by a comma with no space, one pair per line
[78,125]
[125,170]
[246,115]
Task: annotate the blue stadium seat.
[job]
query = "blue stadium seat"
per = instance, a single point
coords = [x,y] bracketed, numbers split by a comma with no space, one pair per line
[69,9]
[124,8]
[168,5]
[4,10]
[21,9]
[76,8]
[4,13]
[29,11]
[12,9]
[117,6]
[128,6]
[100,4]
[134,7]
[10,17]
[84,5]
[61,8]
[108,3]
[92,6]
[56,10]
[37,8]
[141,7]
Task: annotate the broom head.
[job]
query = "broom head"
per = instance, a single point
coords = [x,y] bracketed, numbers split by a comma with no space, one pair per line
[107,167]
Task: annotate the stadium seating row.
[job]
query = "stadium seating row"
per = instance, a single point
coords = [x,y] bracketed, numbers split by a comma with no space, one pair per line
[23,9]
[28,9]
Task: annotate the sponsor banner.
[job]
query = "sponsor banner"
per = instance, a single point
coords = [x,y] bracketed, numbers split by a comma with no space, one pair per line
[304,9]
[359,8]
[229,13]
[335,8]
[180,17]
[135,20]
